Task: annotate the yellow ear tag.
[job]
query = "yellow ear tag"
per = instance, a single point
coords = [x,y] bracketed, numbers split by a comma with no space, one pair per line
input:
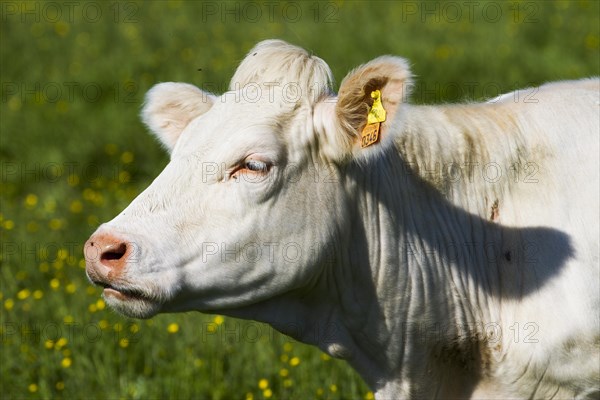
[377,112]
[370,133]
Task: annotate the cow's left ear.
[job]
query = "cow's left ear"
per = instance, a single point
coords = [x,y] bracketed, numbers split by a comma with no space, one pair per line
[170,106]
[360,120]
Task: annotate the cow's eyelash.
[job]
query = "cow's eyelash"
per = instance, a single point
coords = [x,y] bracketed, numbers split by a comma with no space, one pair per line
[251,166]
[257,165]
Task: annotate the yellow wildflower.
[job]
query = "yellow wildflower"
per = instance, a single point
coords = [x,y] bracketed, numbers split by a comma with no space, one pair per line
[9,304]
[127,157]
[66,362]
[62,342]
[31,200]
[76,207]
[55,224]
[173,328]
[263,384]
[124,177]
[62,254]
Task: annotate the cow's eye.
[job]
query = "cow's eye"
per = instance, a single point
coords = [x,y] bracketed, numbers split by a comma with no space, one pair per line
[256,166]
[251,167]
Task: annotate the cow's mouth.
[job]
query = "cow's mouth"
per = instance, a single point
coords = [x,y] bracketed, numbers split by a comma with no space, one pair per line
[122,294]
[129,300]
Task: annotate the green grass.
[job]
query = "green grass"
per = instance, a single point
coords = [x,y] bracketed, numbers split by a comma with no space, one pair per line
[73,154]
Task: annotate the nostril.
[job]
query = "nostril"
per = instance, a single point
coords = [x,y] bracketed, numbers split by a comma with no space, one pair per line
[114,253]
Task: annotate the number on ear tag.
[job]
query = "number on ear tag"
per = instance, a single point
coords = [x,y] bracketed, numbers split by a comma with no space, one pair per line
[370,134]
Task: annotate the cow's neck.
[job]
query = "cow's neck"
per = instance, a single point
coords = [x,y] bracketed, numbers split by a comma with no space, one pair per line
[409,303]
[424,269]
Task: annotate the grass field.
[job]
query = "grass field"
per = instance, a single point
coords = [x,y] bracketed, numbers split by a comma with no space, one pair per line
[73,154]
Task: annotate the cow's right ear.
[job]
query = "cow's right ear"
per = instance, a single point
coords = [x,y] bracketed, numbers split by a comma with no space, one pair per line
[170,106]
[360,121]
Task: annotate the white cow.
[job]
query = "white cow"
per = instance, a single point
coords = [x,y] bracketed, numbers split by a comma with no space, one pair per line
[454,257]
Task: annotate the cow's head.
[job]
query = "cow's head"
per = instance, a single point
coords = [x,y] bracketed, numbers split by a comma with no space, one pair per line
[253,196]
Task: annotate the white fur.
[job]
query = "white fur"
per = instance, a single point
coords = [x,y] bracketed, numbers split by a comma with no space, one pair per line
[405,269]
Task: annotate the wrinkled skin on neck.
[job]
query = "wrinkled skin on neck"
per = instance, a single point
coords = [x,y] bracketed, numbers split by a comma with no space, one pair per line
[372,304]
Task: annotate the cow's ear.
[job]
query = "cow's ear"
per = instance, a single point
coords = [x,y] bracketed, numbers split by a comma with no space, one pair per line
[170,106]
[380,85]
